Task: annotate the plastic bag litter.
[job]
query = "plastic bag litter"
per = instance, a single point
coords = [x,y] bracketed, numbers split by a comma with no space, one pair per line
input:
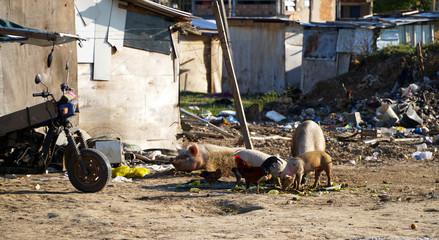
[275,116]
[195,190]
[119,171]
[231,119]
[128,172]
[137,172]
[121,179]
[422,155]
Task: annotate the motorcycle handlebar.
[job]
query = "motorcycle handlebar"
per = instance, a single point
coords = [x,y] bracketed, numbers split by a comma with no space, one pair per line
[41,94]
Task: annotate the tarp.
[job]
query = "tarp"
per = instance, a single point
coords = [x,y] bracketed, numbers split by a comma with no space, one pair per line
[12,32]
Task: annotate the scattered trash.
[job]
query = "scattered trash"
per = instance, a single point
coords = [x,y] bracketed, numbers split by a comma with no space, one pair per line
[273,192]
[422,146]
[121,179]
[153,168]
[195,190]
[387,115]
[411,118]
[194,108]
[227,113]
[126,171]
[354,118]
[231,119]
[422,155]
[275,116]
[370,158]
[206,113]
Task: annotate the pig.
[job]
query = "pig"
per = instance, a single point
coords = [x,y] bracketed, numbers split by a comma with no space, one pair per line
[206,156]
[317,161]
[273,164]
[307,137]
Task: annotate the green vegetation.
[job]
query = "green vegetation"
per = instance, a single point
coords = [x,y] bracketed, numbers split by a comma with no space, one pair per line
[401,49]
[211,104]
[380,6]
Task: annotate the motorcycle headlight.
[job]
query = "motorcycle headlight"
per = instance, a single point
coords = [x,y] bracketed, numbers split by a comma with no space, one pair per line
[65,110]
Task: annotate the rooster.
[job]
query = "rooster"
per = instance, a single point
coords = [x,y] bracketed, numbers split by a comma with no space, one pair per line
[252,175]
[274,166]
[346,100]
[211,177]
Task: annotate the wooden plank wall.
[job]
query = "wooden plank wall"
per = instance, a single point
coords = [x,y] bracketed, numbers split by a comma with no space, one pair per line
[200,64]
[259,55]
[20,64]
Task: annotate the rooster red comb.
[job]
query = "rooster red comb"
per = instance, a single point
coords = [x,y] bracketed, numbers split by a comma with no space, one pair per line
[349,91]
[238,159]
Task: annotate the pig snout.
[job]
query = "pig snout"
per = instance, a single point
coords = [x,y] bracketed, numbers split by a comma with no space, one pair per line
[184,165]
[287,182]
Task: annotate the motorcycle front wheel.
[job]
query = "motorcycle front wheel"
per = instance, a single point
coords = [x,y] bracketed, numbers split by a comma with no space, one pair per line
[98,171]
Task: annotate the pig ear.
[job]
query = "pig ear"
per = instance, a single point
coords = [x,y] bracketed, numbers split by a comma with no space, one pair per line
[193,150]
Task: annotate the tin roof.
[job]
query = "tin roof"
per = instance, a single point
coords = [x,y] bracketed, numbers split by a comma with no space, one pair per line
[159,9]
[204,24]
[376,21]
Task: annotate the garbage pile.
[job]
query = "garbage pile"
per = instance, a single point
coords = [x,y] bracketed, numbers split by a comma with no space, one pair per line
[409,114]
[414,109]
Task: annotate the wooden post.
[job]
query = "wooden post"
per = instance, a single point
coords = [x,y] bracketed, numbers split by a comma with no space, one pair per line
[223,31]
[420,58]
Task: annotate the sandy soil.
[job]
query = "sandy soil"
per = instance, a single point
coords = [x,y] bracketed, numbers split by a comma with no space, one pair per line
[383,199]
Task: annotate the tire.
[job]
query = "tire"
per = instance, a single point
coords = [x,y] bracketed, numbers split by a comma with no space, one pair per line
[98,167]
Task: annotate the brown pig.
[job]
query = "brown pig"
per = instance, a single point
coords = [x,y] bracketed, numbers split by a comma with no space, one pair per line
[206,156]
[317,161]
[307,137]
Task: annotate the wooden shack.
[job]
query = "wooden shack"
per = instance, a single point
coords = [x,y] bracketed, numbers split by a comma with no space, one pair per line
[129,70]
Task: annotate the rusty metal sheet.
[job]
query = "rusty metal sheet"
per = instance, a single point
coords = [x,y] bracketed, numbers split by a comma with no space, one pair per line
[320,44]
[28,117]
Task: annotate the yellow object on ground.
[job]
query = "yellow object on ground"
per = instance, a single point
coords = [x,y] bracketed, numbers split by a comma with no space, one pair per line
[128,172]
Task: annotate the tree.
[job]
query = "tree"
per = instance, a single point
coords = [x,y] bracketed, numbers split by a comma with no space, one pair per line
[380,6]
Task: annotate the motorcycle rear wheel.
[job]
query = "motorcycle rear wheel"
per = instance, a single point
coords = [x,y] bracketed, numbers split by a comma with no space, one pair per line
[98,171]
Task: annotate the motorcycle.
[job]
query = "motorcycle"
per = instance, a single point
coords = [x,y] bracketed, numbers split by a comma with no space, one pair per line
[24,150]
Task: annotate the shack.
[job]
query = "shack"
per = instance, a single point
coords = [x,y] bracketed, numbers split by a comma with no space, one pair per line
[267,54]
[201,59]
[329,47]
[257,43]
[128,70]
[22,60]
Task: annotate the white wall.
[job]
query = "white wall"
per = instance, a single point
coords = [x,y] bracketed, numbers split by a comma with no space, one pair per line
[140,101]
[293,55]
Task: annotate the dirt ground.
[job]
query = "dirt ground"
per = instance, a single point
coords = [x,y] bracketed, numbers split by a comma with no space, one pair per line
[383,199]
